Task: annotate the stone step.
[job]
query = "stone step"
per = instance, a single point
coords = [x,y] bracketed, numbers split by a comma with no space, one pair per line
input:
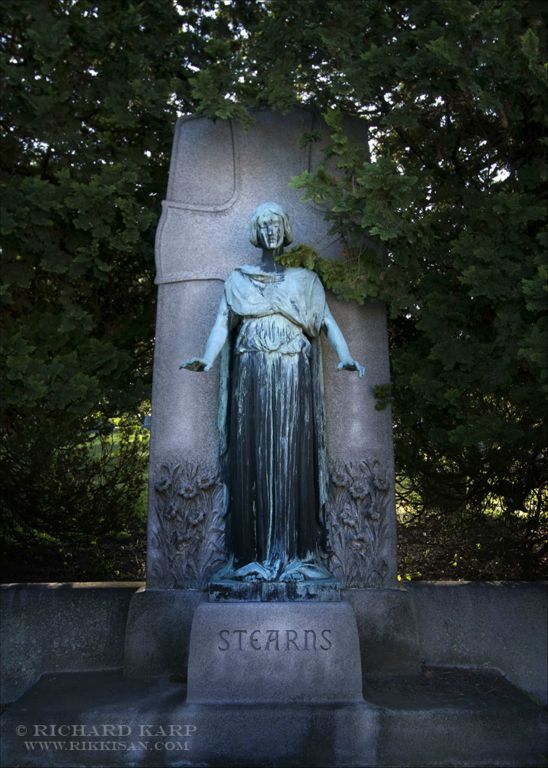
[439,718]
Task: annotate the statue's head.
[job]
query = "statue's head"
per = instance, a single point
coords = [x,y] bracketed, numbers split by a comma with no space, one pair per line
[269,227]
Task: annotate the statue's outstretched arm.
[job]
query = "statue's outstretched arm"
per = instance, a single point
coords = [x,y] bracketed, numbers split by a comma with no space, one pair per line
[215,342]
[338,342]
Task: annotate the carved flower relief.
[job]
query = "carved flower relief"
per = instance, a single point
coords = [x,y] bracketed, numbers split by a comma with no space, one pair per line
[361,545]
[187,491]
[349,516]
[359,490]
[163,483]
[373,512]
[381,481]
[183,543]
[205,482]
[339,479]
[196,516]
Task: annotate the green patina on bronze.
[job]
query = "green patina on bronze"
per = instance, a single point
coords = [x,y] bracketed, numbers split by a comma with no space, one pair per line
[271,415]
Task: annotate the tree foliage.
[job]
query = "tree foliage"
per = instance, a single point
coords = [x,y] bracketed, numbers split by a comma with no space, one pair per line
[90,96]
[440,215]
[76,511]
[91,92]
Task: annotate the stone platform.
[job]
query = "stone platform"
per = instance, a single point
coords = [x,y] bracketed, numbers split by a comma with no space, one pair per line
[439,718]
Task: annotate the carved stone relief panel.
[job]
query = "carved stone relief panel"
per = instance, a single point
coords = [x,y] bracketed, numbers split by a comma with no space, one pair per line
[358,518]
[188,525]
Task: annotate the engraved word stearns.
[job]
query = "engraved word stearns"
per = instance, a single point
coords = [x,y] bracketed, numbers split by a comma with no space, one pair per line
[275,640]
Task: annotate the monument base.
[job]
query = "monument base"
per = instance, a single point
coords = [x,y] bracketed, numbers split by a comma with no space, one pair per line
[158,632]
[289,652]
[103,720]
[320,590]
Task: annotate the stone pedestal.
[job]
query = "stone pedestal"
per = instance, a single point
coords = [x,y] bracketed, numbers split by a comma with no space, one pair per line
[274,652]
[308,590]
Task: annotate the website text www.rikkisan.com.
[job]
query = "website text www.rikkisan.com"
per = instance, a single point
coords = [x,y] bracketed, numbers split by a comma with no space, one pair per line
[107,737]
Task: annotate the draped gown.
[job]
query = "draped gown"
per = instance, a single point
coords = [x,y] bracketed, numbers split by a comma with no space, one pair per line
[272,419]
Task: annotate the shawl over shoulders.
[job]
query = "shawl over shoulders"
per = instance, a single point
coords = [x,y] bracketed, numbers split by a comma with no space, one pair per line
[296,293]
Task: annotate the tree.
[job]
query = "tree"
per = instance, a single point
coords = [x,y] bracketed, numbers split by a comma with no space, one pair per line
[90,96]
[441,218]
[453,96]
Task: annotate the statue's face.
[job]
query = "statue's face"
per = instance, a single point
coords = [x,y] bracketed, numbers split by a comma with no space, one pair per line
[271,231]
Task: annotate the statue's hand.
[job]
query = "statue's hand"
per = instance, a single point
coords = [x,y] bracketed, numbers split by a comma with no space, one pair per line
[196,364]
[352,365]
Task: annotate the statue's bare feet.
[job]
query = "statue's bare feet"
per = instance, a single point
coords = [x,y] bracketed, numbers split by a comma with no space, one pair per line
[299,570]
[315,571]
[252,572]
[293,576]
[253,576]
[292,571]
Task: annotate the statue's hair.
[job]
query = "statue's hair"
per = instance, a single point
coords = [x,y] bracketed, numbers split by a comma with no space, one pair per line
[264,210]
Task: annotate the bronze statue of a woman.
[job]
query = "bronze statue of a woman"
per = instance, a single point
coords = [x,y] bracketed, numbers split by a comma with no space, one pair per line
[272,415]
